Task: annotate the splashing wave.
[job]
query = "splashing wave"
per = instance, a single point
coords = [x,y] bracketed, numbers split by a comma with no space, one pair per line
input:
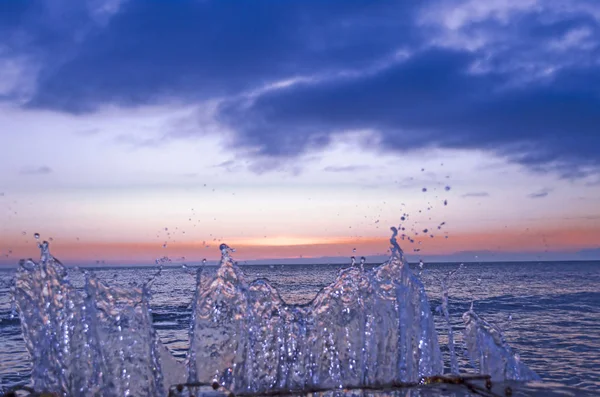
[366,329]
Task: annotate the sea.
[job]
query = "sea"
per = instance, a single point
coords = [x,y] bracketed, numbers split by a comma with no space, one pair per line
[549,312]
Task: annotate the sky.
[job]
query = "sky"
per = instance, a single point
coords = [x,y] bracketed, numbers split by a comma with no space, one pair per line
[133,130]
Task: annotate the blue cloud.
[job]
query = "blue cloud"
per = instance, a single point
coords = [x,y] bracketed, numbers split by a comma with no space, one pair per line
[193,50]
[523,85]
[431,100]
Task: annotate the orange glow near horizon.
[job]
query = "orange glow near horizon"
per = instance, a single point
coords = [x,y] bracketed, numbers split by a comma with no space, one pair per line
[501,241]
[283,241]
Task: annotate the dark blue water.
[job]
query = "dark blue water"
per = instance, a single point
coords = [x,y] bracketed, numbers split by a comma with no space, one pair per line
[550,311]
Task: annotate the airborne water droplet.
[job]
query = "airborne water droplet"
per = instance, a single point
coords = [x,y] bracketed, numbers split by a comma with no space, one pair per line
[353,249]
[447,188]
[37,236]
[424,189]
[204,261]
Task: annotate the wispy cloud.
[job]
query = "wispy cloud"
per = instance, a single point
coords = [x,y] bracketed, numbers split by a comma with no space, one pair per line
[43,170]
[134,141]
[88,132]
[540,194]
[229,166]
[346,168]
[476,194]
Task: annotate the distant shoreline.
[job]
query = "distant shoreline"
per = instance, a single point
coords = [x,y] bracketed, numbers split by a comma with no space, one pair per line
[12,267]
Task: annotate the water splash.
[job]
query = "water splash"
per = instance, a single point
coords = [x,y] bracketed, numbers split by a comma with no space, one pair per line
[489,353]
[96,342]
[366,329]
[445,282]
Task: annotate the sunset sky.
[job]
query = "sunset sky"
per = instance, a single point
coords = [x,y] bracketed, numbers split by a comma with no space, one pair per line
[132,130]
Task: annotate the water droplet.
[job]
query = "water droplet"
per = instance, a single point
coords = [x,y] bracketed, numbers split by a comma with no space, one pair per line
[23,233]
[445,202]
[184,266]
[447,188]
[425,230]
[37,236]
[353,249]
[165,245]
[204,261]
[353,259]
[424,189]
[51,239]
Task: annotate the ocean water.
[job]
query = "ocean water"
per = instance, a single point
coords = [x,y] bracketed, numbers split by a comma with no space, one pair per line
[549,311]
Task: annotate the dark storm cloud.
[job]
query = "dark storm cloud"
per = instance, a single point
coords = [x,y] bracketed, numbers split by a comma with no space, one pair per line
[432,101]
[152,50]
[528,90]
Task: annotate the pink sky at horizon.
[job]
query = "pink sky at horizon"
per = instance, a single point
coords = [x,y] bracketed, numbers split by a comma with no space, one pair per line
[498,241]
